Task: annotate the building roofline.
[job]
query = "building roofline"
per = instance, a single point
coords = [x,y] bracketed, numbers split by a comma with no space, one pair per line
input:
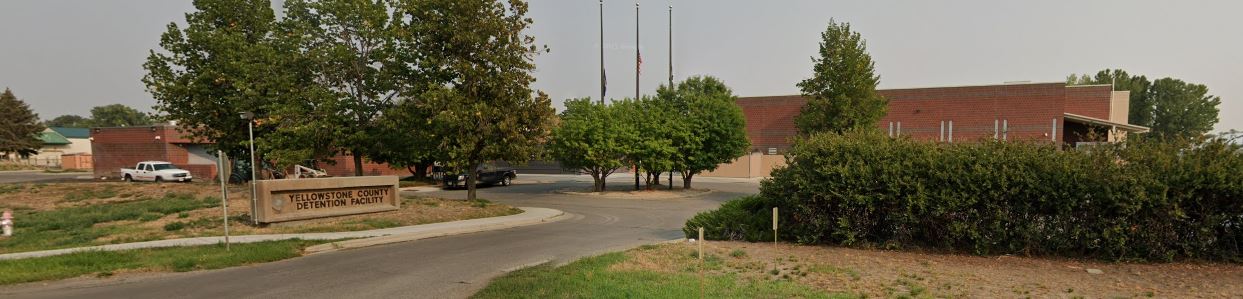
[1105,122]
[948,86]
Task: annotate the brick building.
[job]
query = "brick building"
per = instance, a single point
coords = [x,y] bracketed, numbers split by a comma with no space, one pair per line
[1053,112]
[115,148]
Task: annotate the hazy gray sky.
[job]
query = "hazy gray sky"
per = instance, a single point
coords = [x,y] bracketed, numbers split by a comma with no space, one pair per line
[64,57]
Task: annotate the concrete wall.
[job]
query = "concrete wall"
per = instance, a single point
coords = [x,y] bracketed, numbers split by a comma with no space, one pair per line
[753,165]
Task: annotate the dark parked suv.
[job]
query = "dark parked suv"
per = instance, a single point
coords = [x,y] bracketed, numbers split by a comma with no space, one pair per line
[487,175]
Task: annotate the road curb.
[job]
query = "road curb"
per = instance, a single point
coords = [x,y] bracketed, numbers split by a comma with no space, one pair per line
[412,236]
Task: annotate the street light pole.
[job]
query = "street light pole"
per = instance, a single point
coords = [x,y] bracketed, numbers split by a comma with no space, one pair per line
[254,176]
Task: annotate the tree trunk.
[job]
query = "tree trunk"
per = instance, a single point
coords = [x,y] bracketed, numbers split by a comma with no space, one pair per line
[471,176]
[686,181]
[636,177]
[655,177]
[671,180]
[420,172]
[358,163]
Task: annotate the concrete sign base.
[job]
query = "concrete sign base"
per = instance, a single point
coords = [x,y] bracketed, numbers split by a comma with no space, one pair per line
[298,199]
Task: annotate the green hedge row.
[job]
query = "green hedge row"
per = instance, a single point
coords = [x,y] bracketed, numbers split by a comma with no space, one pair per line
[1143,200]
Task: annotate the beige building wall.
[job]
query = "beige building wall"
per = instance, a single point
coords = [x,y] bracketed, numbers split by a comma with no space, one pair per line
[753,165]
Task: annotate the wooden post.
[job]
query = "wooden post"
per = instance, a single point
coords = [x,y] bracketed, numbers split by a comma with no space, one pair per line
[701,262]
[701,243]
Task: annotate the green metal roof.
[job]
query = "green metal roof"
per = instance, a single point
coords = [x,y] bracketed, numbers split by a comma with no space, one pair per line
[82,133]
[53,138]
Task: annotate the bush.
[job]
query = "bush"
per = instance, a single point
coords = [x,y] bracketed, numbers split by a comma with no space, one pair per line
[747,218]
[1145,200]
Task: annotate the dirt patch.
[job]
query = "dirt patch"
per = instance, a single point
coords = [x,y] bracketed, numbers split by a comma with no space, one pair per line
[896,274]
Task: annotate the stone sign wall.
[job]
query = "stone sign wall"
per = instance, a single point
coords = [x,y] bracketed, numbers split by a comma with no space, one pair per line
[297,199]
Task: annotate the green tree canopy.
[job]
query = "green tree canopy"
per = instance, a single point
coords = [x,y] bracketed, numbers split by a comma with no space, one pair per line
[841,94]
[715,125]
[478,63]
[1182,109]
[591,138]
[225,62]
[1171,107]
[348,47]
[117,115]
[652,123]
[69,121]
[19,127]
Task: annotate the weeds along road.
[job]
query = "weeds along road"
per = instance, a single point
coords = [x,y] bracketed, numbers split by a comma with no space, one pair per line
[447,267]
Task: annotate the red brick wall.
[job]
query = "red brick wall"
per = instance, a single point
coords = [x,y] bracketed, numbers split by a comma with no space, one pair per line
[770,120]
[1091,100]
[345,167]
[116,148]
[1028,109]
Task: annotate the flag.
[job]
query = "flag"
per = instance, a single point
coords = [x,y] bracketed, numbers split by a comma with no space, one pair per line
[640,67]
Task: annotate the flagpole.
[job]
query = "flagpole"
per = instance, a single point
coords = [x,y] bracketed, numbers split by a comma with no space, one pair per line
[670,75]
[638,61]
[602,79]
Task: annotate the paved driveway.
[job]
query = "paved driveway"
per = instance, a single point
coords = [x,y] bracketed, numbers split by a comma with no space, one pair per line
[448,267]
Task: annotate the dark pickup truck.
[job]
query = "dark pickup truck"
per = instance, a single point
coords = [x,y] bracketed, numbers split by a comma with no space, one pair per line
[487,175]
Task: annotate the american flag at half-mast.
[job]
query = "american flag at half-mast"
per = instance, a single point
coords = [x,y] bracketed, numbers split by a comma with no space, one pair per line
[640,58]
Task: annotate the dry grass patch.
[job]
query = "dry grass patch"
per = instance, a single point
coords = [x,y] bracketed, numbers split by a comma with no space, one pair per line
[878,273]
[62,215]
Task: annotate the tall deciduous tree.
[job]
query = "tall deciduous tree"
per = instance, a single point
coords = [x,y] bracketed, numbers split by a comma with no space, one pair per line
[591,138]
[478,63]
[1182,109]
[348,45]
[841,94]
[69,121]
[652,151]
[19,127]
[1171,107]
[224,62]
[405,137]
[1141,106]
[715,123]
[117,115]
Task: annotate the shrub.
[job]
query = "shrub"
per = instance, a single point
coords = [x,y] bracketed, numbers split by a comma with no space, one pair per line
[1144,200]
[744,218]
[174,226]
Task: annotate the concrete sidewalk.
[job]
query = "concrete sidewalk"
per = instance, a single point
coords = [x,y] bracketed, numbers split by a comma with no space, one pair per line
[530,216]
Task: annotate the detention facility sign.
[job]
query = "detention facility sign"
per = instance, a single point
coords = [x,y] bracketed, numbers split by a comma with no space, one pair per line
[298,199]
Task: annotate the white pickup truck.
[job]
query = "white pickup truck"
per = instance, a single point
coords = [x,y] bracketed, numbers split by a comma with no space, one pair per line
[156,171]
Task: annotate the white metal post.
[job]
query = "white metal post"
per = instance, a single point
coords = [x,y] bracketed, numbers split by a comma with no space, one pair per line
[942,138]
[254,176]
[951,130]
[224,195]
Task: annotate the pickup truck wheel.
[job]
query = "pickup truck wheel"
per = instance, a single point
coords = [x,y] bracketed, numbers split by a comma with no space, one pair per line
[128,178]
[159,179]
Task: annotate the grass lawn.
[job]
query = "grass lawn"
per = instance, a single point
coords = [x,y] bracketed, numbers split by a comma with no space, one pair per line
[178,259]
[605,276]
[65,215]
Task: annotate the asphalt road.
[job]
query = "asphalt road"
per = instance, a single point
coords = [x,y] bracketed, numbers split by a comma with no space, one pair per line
[32,176]
[447,267]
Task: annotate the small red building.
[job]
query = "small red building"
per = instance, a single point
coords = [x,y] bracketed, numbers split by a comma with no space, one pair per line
[120,147]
